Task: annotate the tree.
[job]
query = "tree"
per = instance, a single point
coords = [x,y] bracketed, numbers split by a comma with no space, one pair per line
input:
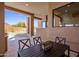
[20,24]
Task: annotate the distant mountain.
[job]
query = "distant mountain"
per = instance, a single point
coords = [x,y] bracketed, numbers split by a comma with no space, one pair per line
[6,24]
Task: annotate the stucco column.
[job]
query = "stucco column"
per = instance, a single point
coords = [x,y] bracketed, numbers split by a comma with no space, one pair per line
[2,37]
[50,23]
[31,25]
[50,17]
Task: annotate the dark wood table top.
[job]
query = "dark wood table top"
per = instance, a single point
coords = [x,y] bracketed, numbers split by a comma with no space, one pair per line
[36,51]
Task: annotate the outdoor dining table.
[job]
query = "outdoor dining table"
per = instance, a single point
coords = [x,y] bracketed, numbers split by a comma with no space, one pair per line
[37,51]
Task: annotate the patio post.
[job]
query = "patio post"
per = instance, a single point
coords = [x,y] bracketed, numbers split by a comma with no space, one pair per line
[31,25]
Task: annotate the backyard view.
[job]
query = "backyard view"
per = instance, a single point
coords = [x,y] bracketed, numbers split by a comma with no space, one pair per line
[15,23]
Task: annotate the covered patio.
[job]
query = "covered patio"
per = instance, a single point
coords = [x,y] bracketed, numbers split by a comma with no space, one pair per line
[56,19]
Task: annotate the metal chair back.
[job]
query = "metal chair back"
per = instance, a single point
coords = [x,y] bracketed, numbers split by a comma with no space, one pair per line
[24,43]
[61,40]
[37,40]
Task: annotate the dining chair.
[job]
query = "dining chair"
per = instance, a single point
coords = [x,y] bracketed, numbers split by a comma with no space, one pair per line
[37,40]
[24,43]
[61,40]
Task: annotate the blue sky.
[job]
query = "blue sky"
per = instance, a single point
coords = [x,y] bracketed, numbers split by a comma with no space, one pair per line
[13,18]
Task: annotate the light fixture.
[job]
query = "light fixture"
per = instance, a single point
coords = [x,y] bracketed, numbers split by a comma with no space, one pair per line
[26,4]
[68,5]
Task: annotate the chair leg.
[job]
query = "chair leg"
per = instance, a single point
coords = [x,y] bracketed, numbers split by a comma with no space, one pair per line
[18,55]
[30,43]
[19,44]
[78,55]
[69,51]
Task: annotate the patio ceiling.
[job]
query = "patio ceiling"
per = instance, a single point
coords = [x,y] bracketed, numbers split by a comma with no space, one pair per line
[38,8]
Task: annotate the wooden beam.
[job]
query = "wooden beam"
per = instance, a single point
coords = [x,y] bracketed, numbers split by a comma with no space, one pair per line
[46,20]
[21,11]
[38,18]
[63,6]
[28,24]
[18,10]
[32,25]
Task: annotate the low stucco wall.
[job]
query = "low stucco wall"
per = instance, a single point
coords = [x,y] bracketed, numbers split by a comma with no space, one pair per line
[71,34]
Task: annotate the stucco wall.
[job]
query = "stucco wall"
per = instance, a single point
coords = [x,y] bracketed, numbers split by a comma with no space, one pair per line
[71,34]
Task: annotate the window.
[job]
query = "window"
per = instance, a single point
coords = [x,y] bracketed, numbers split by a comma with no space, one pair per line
[69,24]
[35,25]
[44,24]
[76,24]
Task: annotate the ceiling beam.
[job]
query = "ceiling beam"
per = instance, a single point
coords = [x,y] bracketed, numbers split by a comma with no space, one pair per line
[17,10]
[37,18]
[21,11]
[63,6]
